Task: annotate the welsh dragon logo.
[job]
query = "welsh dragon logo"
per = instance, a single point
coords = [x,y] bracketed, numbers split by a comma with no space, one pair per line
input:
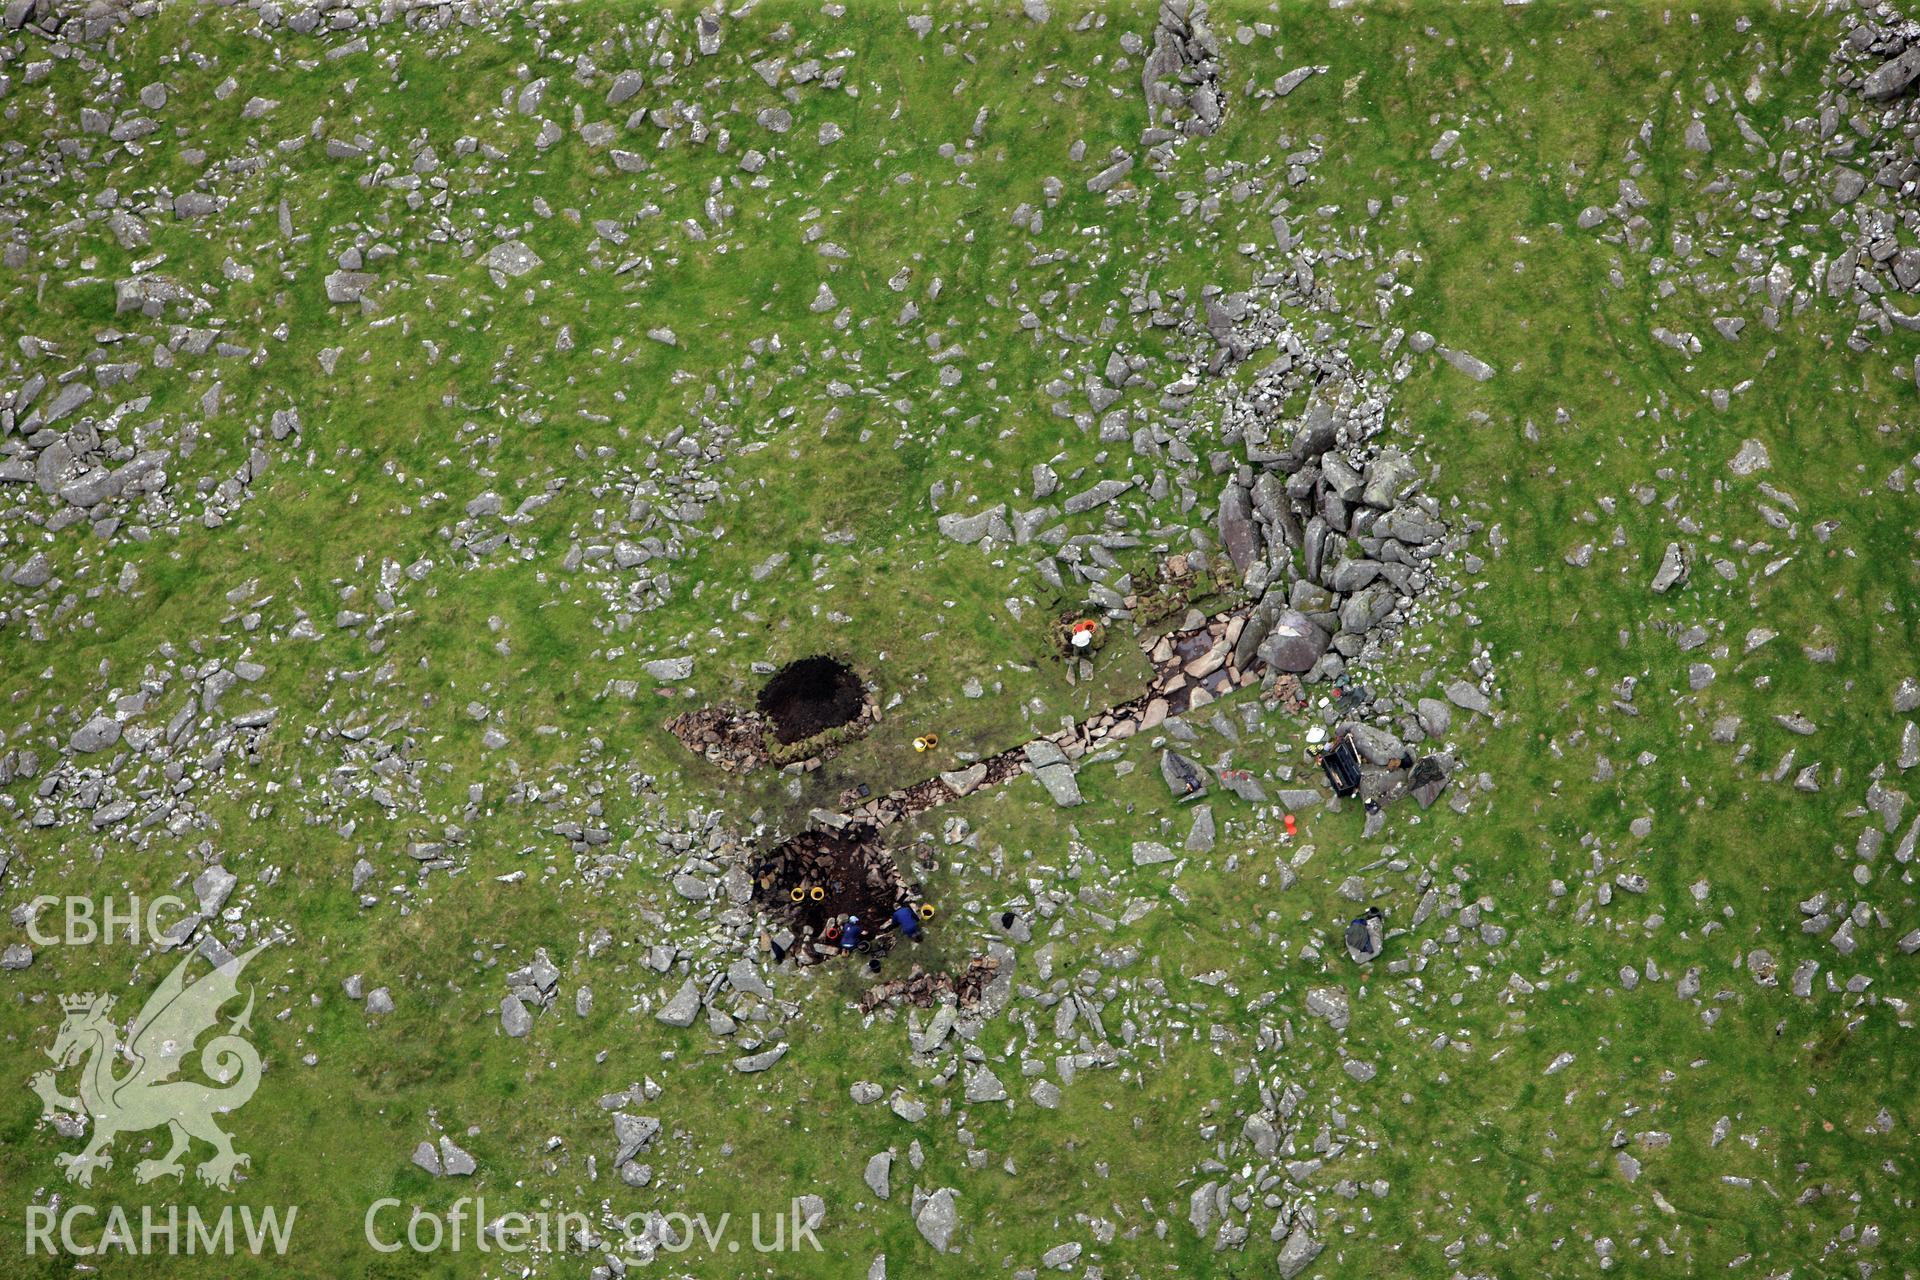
[147,1096]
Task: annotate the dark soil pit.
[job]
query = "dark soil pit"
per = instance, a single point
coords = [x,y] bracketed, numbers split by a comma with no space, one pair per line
[811,696]
[853,872]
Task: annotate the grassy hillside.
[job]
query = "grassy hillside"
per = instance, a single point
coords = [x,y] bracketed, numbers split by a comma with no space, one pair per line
[370,603]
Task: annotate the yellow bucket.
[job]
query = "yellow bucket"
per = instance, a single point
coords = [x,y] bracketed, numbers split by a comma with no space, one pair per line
[818,893]
[798,893]
[926,911]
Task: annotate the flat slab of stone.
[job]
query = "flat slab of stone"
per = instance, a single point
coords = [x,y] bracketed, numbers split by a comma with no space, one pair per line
[964,781]
[1468,697]
[1059,782]
[1468,363]
[1294,643]
[759,1061]
[683,1008]
[1151,853]
[938,1217]
[512,258]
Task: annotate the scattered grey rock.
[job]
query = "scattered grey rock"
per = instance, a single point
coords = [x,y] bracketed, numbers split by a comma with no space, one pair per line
[96,734]
[681,1010]
[938,1217]
[1751,457]
[1894,77]
[454,1162]
[1110,176]
[1474,367]
[1673,569]
[1330,1004]
[760,1061]
[1297,1253]
[512,258]
[878,1174]
[1468,698]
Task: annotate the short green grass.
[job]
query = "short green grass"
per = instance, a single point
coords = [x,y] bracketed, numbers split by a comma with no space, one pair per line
[1476,1146]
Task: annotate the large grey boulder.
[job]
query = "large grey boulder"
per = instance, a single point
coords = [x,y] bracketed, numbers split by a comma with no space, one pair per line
[34,573]
[743,977]
[974,527]
[1891,79]
[348,286]
[1345,482]
[213,887]
[455,1162]
[1318,432]
[1673,569]
[1111,175]
[879,1174]
[1468,363]
[1752,457]
[1377,745]
[983,1086]
[1297,1253]
[1364,610]
[1294,644]
[1468,698]
[625,85]
[1258,624]
[512,258]
[96,734]
[1098,496]
[1409,525]
[92,487]
[1390,479]
[753,1062]
[965,781]
[683,1008]
[1330,1004]
[1049,765]
[1352,575]
[938,1217]
[1151,853]
[1237,531]
[69,398]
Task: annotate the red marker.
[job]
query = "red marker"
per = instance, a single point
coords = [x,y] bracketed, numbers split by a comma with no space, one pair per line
[1291,829]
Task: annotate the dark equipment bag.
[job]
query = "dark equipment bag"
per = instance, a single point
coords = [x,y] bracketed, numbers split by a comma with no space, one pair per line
[1342,764]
